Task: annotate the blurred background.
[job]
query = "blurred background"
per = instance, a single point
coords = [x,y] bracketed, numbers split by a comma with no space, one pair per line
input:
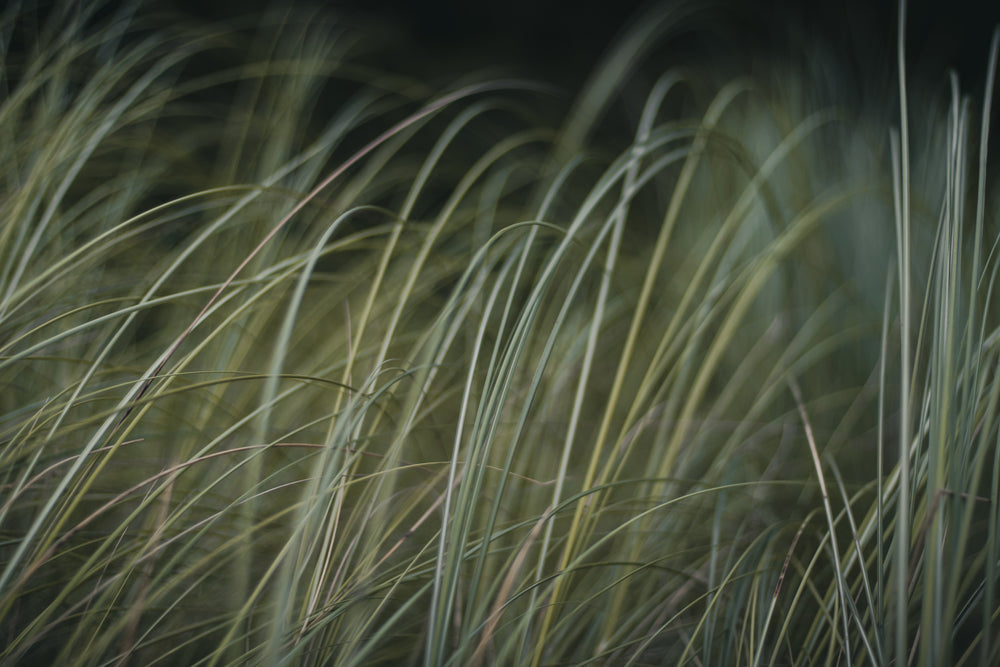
[566,38]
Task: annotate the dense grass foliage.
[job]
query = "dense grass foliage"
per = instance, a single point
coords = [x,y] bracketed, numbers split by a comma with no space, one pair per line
[302,362]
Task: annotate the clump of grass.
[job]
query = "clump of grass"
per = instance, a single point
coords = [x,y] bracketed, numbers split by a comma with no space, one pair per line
[304,363]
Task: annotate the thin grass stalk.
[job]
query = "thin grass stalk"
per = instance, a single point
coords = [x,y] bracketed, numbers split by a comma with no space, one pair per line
[838,570]
[992,547]
[901,189]
[880,491]
[582,516]
[468,481]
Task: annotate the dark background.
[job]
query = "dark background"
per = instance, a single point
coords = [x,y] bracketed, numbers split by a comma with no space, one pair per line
[558,38]
[569,32]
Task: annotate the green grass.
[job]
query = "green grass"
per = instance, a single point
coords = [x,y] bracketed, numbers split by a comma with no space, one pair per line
[304,362]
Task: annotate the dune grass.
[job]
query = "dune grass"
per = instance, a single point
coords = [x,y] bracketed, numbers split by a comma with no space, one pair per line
[303,362]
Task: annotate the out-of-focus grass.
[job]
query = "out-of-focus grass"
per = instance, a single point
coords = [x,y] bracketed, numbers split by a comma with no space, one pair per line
[303,363]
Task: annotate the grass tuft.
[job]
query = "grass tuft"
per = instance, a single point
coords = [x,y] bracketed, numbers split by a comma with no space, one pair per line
[304,362]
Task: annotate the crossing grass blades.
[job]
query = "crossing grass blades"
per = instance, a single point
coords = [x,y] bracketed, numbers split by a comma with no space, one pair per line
[305,362]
